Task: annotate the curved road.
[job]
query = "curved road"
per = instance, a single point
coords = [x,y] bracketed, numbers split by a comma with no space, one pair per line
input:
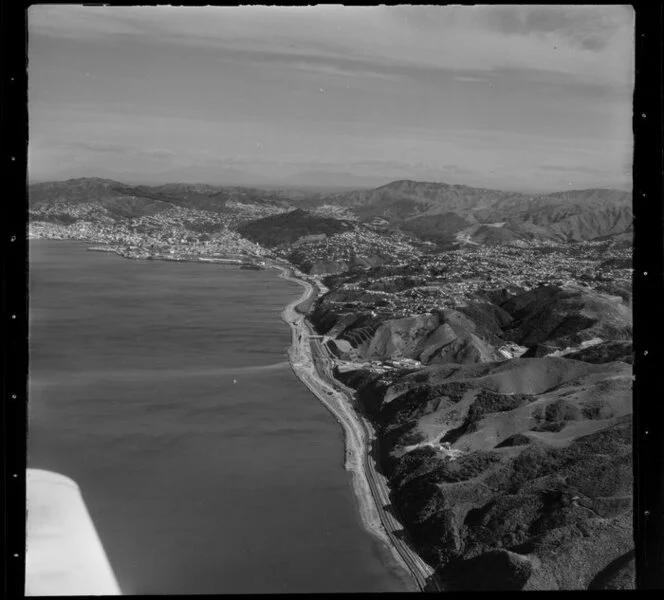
[311,362]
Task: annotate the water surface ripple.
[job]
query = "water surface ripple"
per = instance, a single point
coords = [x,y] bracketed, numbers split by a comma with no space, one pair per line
[163,390]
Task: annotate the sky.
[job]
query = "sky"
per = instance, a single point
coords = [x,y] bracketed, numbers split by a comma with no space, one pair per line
[524,98]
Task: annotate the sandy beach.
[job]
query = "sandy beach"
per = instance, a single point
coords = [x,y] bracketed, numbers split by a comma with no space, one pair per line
[312,365]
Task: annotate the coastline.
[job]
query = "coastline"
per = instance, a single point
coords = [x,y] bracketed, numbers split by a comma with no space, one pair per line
[310,363]
[371,493]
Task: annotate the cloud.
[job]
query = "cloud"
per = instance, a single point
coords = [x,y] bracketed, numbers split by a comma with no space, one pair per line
[96,147]
[469,79]
[178,87]
[322,68]
[80,22]
[123,149]
[321,64]
[587,27]
[586,43]
[572,168]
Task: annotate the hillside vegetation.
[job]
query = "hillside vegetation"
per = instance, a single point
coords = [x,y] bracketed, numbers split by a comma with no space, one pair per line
[508,473]
[291,226]
[437,212]
[440,212]
[488,336]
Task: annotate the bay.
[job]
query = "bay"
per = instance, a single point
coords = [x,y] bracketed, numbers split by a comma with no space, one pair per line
[163,390]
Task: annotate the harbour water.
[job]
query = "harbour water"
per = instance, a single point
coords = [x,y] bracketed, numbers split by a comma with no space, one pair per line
[163,390]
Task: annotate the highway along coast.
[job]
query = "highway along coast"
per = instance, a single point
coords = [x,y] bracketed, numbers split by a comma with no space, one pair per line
[312,364]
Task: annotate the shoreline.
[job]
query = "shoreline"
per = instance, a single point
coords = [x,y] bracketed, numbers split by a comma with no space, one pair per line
[370,491]
[369,487]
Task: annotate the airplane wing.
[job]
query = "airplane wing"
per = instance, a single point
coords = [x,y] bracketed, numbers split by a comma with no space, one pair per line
[64,556]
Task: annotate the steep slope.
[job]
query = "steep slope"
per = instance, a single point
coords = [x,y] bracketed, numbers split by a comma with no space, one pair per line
[507,474]
[577,222]
[126,201]
[542,321]
[513,475]
[561,317]
[567,216]
[75,191]
[610,351]
[447,336]
[98,198]
[421,196]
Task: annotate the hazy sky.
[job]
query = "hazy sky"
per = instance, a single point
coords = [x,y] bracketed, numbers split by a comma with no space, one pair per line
[518,98]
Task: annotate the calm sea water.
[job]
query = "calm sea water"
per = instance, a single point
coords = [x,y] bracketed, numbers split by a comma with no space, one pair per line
[207,467]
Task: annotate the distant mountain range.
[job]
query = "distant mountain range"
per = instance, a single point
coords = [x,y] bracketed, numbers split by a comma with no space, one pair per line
[327,179]
[438,212]
[454,214]
[446,213]
[126,201]
[228,176]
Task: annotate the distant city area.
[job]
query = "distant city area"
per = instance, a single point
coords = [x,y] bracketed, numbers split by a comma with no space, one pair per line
[177,233]
[404,274]
[370,261]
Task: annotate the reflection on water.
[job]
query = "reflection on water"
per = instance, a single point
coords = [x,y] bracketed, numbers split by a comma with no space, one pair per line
[163,390]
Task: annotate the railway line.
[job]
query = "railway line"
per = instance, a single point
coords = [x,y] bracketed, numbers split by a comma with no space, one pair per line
[423,574]
[310,361]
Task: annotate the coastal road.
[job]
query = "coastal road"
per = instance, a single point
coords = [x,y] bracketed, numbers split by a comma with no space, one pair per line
[421,571]
[311,363]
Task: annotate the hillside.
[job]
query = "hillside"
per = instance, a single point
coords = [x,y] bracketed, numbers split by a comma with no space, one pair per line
[289,227]
[567,316]
[507,474]
[435,212]
[545,320]
[440,211]
[108,197]
[513,476]
[440,228]
[120,200]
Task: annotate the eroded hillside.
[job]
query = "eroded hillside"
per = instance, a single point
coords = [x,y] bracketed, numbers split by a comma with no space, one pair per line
[504,428]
